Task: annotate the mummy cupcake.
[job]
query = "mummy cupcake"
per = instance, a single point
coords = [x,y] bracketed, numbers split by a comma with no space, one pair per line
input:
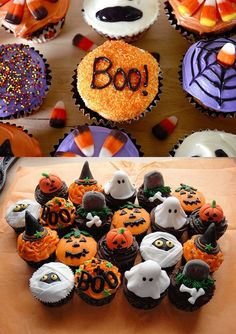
[52,284]
[121,19]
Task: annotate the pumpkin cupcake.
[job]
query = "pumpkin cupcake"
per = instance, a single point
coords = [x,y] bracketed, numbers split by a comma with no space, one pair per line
[97,281]
[50,186]
[86,182]
[75,248]
[191,286]
[93,215]
[204,247]
[59,215]
[37,244]
[119,247]
[190,198]
[134,218]
[119,190]
[153,183]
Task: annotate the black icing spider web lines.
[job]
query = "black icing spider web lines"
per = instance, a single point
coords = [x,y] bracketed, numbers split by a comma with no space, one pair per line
[219,71]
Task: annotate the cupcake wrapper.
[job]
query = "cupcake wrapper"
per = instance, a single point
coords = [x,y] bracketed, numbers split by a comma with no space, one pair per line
[110,126]
[96,302]
[94,116]
[51,258]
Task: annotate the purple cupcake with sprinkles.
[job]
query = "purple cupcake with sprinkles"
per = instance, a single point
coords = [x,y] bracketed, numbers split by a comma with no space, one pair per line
[209,76]
[25,80]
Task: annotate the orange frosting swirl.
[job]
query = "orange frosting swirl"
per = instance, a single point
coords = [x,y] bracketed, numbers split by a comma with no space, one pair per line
[77,191]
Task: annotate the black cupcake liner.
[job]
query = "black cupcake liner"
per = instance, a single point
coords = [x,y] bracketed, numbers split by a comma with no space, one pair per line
[43,198]
[95,302]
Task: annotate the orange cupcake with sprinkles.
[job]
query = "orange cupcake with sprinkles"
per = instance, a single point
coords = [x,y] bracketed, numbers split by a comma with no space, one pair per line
[117,82]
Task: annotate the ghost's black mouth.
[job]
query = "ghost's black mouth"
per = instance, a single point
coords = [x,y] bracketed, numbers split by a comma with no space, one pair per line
[118,14]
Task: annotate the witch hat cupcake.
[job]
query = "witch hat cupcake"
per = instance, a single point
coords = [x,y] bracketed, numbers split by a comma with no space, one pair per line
[204,247]
[37,244]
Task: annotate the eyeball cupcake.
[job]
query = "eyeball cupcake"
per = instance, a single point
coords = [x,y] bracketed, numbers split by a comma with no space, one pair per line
[37,21]
[97,281]
[52,284]
[15,215]
[145,285]
[191,286]
[127,20]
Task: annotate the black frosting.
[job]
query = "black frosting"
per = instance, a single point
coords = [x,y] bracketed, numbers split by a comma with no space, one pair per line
[119,14]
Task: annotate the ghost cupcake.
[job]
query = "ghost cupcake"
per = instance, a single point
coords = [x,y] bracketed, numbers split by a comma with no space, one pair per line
[162,248]
[153,183]
[119,190]
[52,284]
[145,285]
[191,286]
[15,215]
[170,217]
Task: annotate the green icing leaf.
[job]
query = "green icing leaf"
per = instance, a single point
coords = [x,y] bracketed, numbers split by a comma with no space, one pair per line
[100,213]
[78,271]
[130,205]
[38,234]
[185,187]
[106,293]
[109,265]
[151,192]
[208,248]
[68,204]
[192,283]
[45,175]
[76,233]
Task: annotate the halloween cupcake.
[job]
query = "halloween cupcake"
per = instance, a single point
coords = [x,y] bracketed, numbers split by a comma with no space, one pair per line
[75,248]
[190,198]
[25,80]
[50,186]
[15,215]
[209,76]
[191,286]
[93,215]
[196,19]
[153,183]
[85,183]
[116,82]
[52,284]
[37,244]
[119,190]
[145,285]
[97,281]
[170,217]
[204,247]
[119,247]
[59,215]
[134,218]
[37,21]
[162,248]
[121,19]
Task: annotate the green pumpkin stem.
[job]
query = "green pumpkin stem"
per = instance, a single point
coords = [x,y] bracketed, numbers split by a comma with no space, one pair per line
[45,175]
[213,204]
[121,230]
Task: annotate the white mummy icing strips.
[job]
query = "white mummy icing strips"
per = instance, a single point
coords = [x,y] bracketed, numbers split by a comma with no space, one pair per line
[165,258]
[146,279]
[208,144]
[170,214]
[120,186]
[195,294]
[50,289]
[15,215]
[149,13]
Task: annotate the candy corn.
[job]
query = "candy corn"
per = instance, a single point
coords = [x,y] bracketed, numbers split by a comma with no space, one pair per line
[37,9]
[84,140]
[113,143]
[58,116]
[226,55]
[163,129]
[226,9]
[2,2]
[209,13]
[83,43]
[15,12]
[189,7]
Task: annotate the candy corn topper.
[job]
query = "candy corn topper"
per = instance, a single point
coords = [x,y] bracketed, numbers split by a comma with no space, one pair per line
[58,115]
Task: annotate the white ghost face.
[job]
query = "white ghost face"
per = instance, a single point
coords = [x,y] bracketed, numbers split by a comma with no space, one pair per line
[120,17]
[120,186]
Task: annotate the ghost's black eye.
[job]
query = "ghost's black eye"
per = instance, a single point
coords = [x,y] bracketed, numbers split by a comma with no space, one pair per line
[169,210]
[175,211]
[144,278]
[123,181]
[150,279]
[118,181]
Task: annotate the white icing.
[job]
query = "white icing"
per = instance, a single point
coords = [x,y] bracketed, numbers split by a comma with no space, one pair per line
[17,219]
[164,258]
[93,220]
[120,186]
[146,279]
[121,29]
[170,214]
[205,143]
[157,195]
[195,294]
[56,291]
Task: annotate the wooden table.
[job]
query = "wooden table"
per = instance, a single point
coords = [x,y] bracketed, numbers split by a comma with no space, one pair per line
[63,58]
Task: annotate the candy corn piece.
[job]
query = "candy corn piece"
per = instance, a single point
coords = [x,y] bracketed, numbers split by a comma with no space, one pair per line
[58,116]
[209,14]
[2,2]
[163,129]
[226,55]
[84,140]
[189,7]
[37,9]
[83,43]
[15,12]
[226,9]
[113,143]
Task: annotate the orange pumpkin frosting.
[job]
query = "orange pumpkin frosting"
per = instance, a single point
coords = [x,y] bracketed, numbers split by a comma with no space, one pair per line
[190,198]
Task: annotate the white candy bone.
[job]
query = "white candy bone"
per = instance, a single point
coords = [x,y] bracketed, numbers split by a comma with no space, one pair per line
[93,220]
[158,195]
[193,292]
